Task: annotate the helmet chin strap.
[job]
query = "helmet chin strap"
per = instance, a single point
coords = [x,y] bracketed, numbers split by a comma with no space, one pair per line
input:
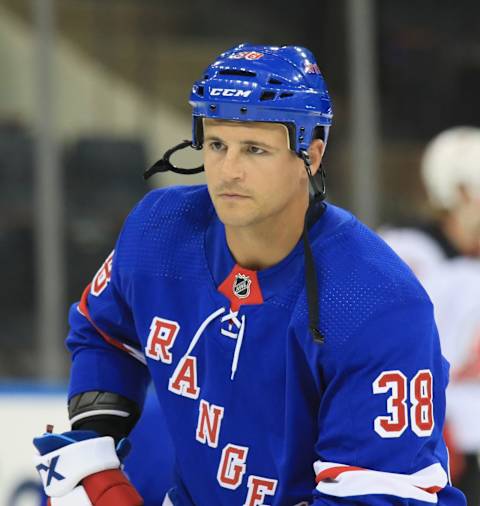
[318,193]
[313,213]
[311,278]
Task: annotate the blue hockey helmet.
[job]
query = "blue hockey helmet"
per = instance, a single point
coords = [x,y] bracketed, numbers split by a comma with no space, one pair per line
[265,83]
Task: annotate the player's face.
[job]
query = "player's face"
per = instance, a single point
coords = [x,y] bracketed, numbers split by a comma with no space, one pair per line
[252,175]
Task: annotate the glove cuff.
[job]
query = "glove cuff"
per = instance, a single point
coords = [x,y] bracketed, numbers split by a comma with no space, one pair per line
[63,469]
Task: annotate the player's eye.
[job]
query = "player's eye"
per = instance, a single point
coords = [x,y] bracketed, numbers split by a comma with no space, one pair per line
[216,145]
[255,150]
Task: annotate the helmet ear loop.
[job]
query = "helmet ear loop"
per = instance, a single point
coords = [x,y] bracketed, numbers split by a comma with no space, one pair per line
[319,193]
[165,165]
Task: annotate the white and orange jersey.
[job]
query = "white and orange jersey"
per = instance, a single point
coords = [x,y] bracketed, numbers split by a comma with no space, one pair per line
[418,249]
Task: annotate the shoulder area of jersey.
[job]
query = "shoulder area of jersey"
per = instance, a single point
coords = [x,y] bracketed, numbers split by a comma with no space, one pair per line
[354,254]
[174,199]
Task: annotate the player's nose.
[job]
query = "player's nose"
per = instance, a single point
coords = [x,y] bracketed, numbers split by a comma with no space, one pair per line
[232,166]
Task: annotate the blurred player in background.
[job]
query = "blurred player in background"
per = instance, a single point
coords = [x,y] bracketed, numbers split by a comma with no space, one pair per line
[451,175]
[294,355]
[445,256]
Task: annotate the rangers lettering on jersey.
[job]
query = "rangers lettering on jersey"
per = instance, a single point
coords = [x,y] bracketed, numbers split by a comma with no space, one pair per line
[232,466]
[184,379]
[209,422]
[161,339]
[258,488]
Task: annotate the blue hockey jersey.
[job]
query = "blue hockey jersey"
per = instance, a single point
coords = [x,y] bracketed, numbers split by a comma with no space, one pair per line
[259,413]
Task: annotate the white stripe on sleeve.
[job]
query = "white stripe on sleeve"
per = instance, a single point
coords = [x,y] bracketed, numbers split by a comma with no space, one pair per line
[340,480]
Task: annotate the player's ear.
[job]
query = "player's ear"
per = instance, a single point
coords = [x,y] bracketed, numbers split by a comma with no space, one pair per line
[315,151]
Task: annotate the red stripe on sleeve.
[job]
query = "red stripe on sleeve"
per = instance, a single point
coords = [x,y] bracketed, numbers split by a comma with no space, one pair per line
[334,472]
[431,490]
[83,308]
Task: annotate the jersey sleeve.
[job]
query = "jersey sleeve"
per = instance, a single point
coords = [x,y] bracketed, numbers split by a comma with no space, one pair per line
[106,353]
[381,415]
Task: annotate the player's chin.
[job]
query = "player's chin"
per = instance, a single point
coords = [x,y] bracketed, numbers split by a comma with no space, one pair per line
[235,217]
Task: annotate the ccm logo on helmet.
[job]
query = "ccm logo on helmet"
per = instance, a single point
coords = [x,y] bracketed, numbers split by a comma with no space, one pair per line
[229,92]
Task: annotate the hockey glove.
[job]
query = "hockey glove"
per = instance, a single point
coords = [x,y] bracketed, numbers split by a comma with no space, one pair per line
[79,468]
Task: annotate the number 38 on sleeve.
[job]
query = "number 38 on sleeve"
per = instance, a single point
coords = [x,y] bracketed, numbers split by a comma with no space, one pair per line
[419,397]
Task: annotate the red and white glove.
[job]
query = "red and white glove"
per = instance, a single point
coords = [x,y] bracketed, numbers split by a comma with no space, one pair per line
[79,468]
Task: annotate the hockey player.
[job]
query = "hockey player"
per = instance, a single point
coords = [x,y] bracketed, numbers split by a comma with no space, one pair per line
[444,254]
[450,171]
[294,355]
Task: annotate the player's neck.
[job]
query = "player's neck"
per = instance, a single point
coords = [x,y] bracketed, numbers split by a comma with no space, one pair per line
[266,244]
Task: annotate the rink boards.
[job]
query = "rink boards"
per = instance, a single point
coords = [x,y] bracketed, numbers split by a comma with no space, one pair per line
[25,410]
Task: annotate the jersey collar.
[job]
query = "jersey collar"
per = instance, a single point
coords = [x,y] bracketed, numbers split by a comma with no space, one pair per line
[243,286]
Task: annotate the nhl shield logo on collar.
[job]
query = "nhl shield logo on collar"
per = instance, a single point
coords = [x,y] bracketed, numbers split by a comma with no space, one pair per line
[241,286]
